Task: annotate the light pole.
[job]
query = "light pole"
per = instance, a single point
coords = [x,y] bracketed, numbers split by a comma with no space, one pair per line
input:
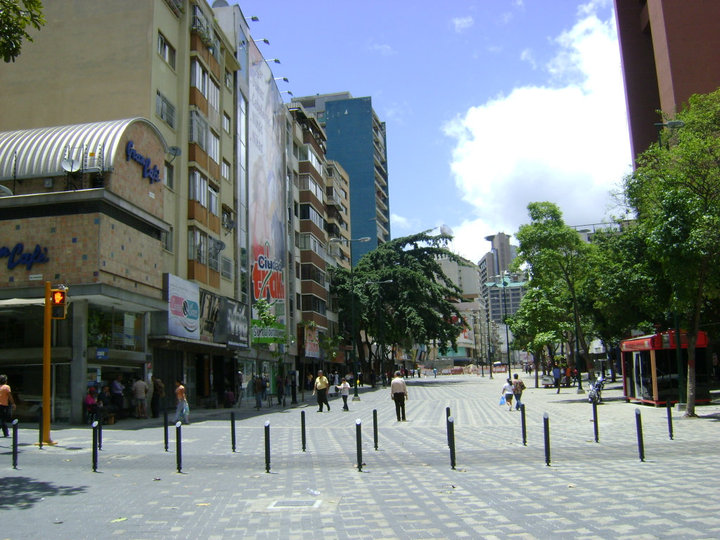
[505,316]
[353,357]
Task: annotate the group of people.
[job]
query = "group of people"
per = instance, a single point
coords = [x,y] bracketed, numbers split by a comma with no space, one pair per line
[513,388]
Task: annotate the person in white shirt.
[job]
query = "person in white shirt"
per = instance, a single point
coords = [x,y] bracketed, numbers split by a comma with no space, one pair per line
[398,393]
[344,389]
[507,391]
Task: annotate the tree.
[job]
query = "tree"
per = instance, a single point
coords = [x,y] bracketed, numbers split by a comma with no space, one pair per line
[557,262]
[15,17]
[400,294]
[675,192]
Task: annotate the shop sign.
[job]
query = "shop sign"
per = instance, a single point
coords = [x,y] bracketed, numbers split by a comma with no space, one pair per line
[153,173]
[18,256]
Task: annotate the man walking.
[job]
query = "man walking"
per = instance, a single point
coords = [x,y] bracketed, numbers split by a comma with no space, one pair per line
[321,389]
[518,387]
[556,375]
[398,393]
[6,404]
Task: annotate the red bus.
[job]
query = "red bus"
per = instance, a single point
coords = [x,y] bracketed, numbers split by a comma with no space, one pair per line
[650,368]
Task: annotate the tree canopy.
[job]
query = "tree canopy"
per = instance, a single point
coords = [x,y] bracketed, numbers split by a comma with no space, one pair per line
[15,17]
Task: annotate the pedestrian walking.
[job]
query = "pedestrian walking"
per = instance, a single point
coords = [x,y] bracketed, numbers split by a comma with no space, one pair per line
[399,393]
[182,412]
[321,389]
[140,389]
[258,387]
[116,390]
[507,393]
[518,387]
[158,393]
[344,389]
[556,375]
[7,403]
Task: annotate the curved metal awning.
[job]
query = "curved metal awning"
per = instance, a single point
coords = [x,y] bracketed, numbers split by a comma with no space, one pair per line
[35,153]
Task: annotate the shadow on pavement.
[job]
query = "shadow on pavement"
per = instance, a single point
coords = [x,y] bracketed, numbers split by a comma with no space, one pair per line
[25,492]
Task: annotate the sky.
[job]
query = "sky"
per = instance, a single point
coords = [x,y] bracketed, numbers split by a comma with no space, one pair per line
[489,104]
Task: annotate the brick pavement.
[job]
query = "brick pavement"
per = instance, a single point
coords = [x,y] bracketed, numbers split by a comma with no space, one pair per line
[407,489]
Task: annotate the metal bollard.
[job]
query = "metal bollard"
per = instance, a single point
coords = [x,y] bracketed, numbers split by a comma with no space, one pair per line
[375,428]
[95,446]
[447,426]
[99,430]
[641,445]
[451,438]
[232,430]
[596,428]
[358,439]
[523,424]
[15,443]
[669,418]
[302,429]
[40,429]
[165,426]
[178,446]
[267,447]
[546,426]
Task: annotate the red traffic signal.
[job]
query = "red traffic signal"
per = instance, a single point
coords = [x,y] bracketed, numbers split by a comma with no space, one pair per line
[58,303]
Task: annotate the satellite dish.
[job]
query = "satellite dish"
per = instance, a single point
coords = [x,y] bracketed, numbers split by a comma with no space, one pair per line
[70,165]
[220,245]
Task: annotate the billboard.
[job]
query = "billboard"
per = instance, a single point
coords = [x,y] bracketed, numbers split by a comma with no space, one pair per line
[183,307]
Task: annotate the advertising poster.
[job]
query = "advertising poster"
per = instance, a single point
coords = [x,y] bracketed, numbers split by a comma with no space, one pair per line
[183,308]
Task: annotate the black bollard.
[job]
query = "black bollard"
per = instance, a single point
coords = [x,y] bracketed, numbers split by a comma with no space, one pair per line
[358,439]
[294,392]
[669,417]
[165,425]
[641,445]
[178,446]
[267,447]
[375,428]
[99,430]
[546,425]
[15,443]
[95,446]
[302,429]
[447,425]
[451,438]
[596,428]
[523,424]
[232,430]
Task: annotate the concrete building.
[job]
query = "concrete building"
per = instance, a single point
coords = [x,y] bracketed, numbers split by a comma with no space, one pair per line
[171,292]
[670,50]
[356,139]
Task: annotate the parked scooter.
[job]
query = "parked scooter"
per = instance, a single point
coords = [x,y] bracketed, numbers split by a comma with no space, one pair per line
[595,393]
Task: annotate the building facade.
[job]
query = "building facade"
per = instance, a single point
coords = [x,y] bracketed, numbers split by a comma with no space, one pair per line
[669,51]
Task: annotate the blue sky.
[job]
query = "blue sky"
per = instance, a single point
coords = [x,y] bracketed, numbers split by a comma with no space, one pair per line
[489,104]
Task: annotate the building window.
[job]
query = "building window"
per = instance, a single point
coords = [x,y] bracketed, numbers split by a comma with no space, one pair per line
[213,148]
[197,245]
[226,268]
[226,123]
[213,201]
[167,240]
[199,130]
[214,96]
[164,109]
[199,77]
[225,170]
[169,175]
[308,212]
[198,188]
[215,246]
[166,51]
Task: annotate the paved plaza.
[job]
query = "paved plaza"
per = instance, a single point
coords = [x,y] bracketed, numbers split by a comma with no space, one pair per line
[407,488]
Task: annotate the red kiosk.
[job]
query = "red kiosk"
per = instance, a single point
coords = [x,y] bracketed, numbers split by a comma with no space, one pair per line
[650,368]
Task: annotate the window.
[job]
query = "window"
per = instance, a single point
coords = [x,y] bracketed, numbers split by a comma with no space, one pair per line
[213,96]
[308,212]
[169,175]
[215,246]
[199,77]
[213,148]
[166,51]
[312,272]
[198,188]
[226,123]
[199,130]
[166,237]
[309,183]
[197,245]
[226,269]
[213,201]
[313,303]
[164,109]
[225,170]
[228,80]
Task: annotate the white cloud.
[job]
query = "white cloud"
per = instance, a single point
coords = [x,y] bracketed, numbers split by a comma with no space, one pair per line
[462,23]
[564,142]
[527,56]
[383,49]
[403,224]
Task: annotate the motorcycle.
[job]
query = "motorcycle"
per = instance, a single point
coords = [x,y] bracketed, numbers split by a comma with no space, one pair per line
[595,393]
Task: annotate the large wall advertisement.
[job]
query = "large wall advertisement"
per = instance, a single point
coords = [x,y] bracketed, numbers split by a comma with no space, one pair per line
[266,128]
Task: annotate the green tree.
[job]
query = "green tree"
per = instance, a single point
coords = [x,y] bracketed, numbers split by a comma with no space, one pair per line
[15,17]
[675,191]
[557,263]
[413,304]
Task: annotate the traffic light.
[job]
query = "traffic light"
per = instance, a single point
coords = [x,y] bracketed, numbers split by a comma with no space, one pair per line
[58,303]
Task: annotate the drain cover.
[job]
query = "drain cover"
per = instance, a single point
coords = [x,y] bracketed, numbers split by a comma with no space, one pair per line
[295,504]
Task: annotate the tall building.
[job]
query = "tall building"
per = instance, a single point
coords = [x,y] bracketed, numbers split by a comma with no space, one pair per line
[356,139]
[163,271]
[670,50]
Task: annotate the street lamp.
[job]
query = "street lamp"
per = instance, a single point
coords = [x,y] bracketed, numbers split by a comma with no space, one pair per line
[356,396]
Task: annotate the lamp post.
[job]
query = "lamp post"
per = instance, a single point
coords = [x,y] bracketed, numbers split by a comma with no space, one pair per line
[353,357]
[505,316]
